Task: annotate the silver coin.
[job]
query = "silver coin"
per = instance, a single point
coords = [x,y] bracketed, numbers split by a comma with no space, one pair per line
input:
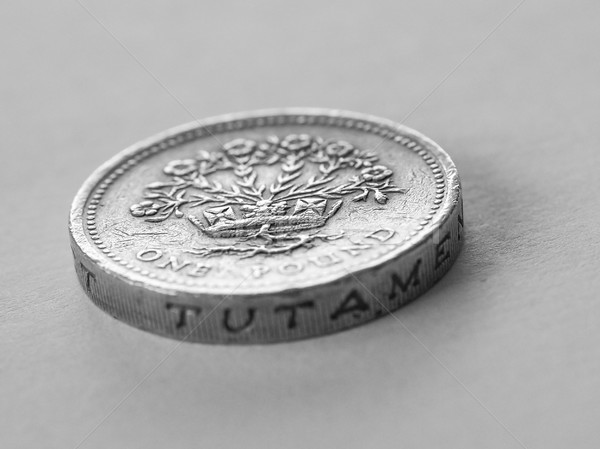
[267,226]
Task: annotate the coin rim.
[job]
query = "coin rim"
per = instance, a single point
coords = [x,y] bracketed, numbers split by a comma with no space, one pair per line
[451,200]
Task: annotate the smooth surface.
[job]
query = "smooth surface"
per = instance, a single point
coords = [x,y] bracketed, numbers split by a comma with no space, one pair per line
[515,321]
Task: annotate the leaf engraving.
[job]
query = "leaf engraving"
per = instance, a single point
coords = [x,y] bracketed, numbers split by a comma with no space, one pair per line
[277,212]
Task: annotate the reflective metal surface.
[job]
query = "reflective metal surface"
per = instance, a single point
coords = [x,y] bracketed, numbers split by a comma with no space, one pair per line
[267,226]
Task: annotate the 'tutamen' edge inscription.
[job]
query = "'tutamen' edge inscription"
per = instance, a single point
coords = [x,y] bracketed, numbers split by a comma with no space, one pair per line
[355,303]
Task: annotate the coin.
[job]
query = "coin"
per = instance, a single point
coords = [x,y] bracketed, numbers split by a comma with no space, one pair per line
[267,226]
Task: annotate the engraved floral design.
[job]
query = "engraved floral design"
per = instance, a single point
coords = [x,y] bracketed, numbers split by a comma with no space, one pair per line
[376,173]
[181,167]
[239,148]
[297,143]
[339,148]
[310,180]
[145,209]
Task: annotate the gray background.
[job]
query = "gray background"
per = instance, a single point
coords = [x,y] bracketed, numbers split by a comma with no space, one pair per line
[502,353]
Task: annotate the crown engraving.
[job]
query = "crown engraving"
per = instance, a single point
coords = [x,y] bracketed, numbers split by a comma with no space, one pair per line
[310,179]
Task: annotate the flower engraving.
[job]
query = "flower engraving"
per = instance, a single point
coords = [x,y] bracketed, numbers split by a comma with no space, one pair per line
[181,167]
[297,143]
[340,148]
[145,208]
[376,173]
[279,211]
[239,148]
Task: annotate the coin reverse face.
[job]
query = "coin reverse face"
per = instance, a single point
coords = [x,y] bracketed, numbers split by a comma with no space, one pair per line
[267,226]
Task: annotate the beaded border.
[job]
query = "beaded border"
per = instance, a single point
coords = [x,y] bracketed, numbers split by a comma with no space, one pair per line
[247,123]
